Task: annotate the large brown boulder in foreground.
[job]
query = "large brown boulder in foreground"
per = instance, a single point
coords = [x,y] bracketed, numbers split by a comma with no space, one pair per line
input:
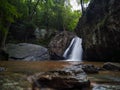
[59,44]
[70,78]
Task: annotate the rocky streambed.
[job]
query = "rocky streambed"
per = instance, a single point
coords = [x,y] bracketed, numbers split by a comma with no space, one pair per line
[59,75]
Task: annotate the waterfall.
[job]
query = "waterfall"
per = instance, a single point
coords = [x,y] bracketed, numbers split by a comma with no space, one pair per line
[74,50]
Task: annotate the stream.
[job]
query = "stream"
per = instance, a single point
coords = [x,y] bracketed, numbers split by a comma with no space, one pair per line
[16,72]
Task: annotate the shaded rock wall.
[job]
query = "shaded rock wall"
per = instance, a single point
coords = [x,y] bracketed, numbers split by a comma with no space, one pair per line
[99,28]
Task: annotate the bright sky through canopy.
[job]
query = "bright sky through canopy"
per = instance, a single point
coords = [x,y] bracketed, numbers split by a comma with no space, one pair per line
[75,5]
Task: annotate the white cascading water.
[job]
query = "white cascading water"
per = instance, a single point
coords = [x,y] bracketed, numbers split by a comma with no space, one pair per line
[74,50]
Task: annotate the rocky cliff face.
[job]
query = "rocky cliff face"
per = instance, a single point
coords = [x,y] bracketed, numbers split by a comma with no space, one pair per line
[99,28]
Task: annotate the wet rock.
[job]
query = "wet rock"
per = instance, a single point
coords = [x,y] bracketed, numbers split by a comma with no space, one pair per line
[106,87]
[59,43]
[14,82]
[90,69]
[27,52]
[64,79]
[101,69]
[111,66]
[2,69]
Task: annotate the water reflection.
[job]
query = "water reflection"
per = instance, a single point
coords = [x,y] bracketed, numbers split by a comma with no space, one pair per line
[104,80]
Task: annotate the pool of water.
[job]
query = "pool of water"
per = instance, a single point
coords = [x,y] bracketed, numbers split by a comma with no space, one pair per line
[18,71]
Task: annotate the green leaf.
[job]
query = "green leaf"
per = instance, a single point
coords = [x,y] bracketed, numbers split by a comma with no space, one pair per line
[86,1]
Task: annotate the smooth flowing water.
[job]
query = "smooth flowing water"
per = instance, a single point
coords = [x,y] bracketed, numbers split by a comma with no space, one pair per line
[74,50]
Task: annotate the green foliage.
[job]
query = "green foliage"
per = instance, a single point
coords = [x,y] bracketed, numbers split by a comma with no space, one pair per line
[8,14]
[56,14]
[73,20]
[48,13]
[85,1]
[29,14]
[9,11]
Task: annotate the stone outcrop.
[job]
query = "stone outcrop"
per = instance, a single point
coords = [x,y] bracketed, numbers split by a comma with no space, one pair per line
[99,27]
[59,44]
[69,78]
[111,66]
[2,69]
[106,87]
[90,69]
[26,52]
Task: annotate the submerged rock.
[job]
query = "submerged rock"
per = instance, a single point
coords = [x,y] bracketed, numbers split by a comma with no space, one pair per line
[106,87]
[68,78]
[59,44]
[88,68]
[14,81]
[27,52]
[2,69]
[111,66]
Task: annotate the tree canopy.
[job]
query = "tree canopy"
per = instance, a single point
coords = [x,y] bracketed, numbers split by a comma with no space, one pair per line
[27,15]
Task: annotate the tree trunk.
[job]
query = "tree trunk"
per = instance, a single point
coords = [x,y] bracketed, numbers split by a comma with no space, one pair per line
[82,6]
[34,9]
[5,37]
[29,7]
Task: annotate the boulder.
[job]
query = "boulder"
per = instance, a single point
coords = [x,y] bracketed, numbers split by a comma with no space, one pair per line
[111,66]
[27,52]
[2,69]
[59,43]
[90,69]
[65,79]
[106,87]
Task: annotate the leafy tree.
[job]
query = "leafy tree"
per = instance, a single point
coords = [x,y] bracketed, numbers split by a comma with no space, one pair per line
[26,15]
[8,14]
